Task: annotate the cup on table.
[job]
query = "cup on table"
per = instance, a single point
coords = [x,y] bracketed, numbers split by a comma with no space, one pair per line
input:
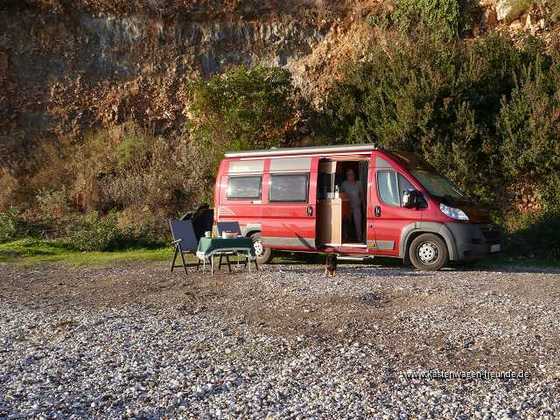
[208,234]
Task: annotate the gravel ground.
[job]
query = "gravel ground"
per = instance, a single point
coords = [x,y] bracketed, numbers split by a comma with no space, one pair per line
[286,342]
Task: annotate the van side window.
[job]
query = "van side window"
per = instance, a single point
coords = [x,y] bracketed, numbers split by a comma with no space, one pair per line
[244,188]
[391,187]
[388,187]
[289,188]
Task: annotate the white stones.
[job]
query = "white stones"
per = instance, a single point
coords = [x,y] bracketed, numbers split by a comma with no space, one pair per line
[139,361]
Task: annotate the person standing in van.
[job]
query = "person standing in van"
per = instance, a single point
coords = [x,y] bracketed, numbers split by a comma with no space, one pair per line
[353,190]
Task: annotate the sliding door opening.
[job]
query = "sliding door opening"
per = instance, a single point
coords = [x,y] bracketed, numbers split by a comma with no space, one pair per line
[342,202]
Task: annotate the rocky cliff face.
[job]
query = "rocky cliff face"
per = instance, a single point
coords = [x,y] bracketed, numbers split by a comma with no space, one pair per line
[66,66]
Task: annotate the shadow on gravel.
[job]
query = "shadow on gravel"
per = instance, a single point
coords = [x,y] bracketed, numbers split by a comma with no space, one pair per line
[388,267]
[363,271]
[506,267]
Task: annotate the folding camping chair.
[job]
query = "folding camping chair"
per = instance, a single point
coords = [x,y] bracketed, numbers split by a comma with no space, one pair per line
[184,241]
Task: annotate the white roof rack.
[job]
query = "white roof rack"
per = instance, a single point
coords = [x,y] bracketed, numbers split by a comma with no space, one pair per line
[346,148]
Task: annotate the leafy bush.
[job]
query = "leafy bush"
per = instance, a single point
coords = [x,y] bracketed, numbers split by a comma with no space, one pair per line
[123,169]
[9,184]
[134,148]
[243,108]
[9,225]
[534,235]
[142,226]
[91,232]
[130,228]
[52,210]
[141,177]
[444,18]
[528,125]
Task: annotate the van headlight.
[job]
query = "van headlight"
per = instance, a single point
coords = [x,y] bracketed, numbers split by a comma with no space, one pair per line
[452,212]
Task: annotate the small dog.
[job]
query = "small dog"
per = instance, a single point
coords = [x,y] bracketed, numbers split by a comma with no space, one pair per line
[330,265]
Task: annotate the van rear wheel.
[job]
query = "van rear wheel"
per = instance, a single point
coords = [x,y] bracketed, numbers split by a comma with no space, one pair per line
[264,254]
[428,252]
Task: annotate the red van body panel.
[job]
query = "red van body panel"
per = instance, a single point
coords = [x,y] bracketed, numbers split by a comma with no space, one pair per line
[389,220]
[243,211]
[283,225]
[292,226]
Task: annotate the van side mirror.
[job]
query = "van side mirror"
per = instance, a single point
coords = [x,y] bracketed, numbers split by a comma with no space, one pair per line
[411,199]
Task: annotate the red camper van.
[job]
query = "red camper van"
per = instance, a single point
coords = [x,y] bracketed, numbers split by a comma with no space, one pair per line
[351,200]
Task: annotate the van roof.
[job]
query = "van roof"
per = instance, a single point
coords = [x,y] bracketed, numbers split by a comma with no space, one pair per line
[347,148]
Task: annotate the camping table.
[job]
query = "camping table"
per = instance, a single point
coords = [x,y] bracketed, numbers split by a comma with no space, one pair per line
[208,247]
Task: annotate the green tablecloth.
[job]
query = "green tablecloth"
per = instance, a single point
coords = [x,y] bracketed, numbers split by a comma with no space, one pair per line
[210,246]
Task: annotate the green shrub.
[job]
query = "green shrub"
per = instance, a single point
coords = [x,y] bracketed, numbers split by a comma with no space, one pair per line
[91,232]
[117,230]
[443,18]
[134,149]
[124,169]
[243,108]
[9,225]
[143,227]
[534,235]
[529,124]
[52,210]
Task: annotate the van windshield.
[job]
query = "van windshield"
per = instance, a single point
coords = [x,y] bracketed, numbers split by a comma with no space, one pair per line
[436,184]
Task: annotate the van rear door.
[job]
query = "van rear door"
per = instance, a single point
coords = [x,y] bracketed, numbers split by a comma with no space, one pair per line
[290,194]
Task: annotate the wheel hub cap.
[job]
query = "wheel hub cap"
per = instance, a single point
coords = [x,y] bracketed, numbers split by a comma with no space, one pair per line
[258,248]
[427,252]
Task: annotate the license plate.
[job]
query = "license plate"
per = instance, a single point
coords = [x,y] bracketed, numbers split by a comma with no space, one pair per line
[495,248]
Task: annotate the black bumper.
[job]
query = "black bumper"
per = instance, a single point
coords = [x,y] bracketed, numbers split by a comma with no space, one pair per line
[474,241]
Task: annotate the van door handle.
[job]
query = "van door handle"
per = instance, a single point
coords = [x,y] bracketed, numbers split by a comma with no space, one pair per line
[309,210]
[377,211]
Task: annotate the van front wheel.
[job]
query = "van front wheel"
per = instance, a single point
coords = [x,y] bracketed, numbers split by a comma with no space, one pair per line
[428,252]
[264,254]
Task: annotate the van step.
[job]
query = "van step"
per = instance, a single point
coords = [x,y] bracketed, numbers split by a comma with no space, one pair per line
[354,258]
